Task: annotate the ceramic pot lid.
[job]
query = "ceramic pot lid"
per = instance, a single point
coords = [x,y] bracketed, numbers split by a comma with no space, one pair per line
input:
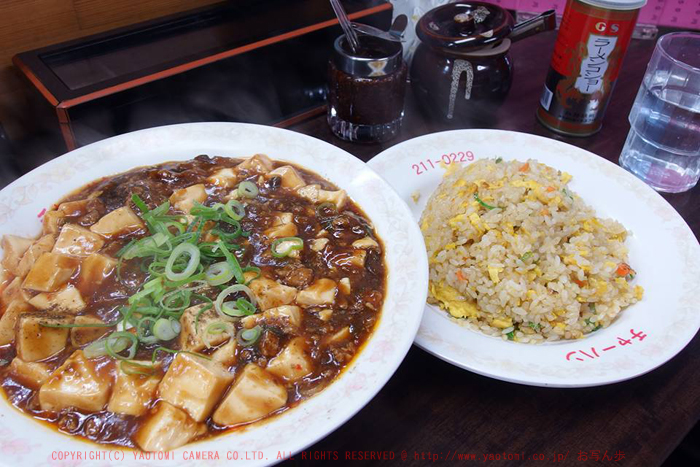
[464,25]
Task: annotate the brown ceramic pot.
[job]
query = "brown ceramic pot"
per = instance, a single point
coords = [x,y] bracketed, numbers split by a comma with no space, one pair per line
[461,71]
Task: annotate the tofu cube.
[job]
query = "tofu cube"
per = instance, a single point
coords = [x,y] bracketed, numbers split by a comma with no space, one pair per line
[184,199]
[255,394]
[282,226]
[74,208]
[340,336]
[9,319]
[315,194]
[53,221]
[285,317]
[226,354]
[38,248]
[225,178]
[66,300]
[13,248]
[259,163]
[281,231]
[133,393]
[93,272]
[290,177]
[354,258]
[32,374]
[338,197]
[293,362]
[14,291]
[5,278]
[365,243]
[77,241]
[344,285]
[194,384]
[84,335]
[119,223]
[321,292]
[37,342]
[77,383]
[191,338]
[271,294]
[319,244]
[50,272]
[167,428]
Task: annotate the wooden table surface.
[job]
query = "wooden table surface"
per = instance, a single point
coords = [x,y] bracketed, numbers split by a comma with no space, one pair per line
[431,408]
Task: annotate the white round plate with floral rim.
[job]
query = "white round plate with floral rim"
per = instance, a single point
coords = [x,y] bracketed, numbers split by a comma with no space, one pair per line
[663,251]
[27,442]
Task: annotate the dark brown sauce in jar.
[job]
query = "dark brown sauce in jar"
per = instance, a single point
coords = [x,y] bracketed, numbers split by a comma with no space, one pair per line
[366,90]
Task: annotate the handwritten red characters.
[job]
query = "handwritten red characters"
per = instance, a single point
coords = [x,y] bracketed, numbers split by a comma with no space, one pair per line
[591,354]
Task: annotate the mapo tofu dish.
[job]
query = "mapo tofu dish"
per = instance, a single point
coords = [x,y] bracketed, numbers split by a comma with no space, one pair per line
[175,302]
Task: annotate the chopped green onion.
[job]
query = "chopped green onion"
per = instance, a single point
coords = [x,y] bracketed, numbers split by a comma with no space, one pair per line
[182,249]
[248,337]
[487,206]
[139,203]
[81,325]
[237,230]
[166,329]
[132,368]
[535,326]
[219,273]
[234,209]
[98,348]
[215,328]
[242,308]
[499,159]
[255,269]
[233,262]
[176,300]
[596,328]
[248,189]
[526,256]
[146,335]
[167,350]
[566,192]
[228,312]
[209,306]
[511,335]
[118,337]
[284,246]
[196,279]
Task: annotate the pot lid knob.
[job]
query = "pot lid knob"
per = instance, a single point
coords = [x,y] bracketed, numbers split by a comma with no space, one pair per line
[464,25]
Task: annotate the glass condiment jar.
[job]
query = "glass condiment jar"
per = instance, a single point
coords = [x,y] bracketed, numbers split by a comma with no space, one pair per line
[462,71]
[366,90]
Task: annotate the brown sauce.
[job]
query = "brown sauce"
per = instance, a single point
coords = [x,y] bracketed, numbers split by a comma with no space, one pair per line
[358,310]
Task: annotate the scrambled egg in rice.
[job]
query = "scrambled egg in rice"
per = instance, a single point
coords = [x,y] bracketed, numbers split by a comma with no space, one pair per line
[516,254]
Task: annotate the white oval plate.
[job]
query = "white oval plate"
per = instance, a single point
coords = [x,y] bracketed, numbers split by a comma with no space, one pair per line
[663,250]
[25,441]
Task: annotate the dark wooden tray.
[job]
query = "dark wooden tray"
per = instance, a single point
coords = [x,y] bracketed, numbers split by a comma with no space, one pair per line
[245,60]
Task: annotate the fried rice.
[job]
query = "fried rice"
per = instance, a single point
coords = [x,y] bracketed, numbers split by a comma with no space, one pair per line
[518,255]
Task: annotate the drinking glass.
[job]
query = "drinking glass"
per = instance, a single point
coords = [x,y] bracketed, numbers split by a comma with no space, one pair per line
[663,145]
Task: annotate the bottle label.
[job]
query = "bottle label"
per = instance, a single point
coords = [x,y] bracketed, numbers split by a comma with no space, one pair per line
[586,62]
[592,42]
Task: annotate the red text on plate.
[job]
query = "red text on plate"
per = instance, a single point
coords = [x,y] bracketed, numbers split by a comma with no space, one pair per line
[582,355]
[447,159]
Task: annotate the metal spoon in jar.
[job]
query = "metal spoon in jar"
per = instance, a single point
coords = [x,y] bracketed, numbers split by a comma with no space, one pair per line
[394,34]
[346,25]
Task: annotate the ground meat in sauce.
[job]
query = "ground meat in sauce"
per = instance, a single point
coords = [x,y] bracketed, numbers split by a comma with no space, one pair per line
[349,319]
